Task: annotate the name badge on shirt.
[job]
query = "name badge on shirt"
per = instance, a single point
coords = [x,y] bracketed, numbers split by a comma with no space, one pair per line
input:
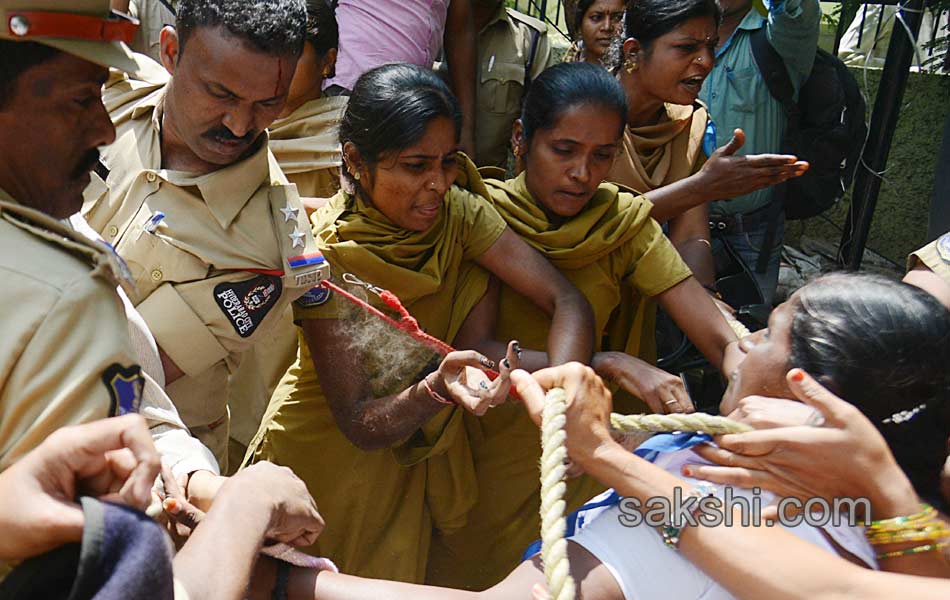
[246,303]
[317,269]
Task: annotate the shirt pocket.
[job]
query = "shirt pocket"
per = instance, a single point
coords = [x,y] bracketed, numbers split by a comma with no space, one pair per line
[743,84]
[502,86]
[154,260]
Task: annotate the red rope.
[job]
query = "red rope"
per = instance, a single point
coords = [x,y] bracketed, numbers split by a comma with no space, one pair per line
[406,323]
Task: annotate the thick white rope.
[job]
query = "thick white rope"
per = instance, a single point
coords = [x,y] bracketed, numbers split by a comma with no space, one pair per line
[553,469]
[557,568]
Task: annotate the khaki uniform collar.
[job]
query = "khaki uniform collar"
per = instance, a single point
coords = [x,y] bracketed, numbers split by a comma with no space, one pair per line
[226,190]
[500,15]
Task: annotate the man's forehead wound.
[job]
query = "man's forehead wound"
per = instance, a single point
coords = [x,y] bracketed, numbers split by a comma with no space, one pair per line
[280,75]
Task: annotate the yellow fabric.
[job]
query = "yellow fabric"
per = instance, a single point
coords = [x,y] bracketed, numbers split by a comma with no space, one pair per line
[611,245]
[219,228]
[654,156]
[381,507]
[306,144]
[662,153]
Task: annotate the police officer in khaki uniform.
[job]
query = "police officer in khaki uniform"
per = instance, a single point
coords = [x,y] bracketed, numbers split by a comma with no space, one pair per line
[190,196]
[513,49]
[153,16]
[65,355]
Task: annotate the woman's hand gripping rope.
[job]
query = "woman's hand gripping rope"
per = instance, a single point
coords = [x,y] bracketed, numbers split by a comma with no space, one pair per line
[573,408]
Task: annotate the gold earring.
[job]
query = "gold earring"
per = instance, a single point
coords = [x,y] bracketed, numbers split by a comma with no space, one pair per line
[356,176]
[631,65]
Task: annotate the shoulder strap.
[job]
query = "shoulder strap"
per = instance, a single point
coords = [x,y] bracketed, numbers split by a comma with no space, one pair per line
[779,83]
[167,4]
[529,66]
[776,77]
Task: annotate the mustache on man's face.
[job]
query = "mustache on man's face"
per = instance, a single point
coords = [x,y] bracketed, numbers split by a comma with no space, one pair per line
[223,134]
[88,163]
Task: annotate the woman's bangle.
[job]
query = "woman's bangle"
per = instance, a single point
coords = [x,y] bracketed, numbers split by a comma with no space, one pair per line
[926,513]
[914,550]
[434,394]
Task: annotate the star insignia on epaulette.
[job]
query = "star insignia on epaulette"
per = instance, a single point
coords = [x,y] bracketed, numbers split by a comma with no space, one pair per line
[296,236]
[290,213]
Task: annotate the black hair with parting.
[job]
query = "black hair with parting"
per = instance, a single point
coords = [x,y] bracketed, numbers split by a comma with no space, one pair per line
[883,346]
[564,86]
[390,109]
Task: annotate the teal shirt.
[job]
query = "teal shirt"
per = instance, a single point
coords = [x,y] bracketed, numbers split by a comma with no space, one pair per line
[737,96]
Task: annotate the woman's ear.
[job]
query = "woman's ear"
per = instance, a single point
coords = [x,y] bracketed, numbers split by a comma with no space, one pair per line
[631,48]
[352,161]
[518,147]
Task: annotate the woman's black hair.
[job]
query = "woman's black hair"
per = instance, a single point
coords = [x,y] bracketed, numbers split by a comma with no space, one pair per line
[390,108]
[647,20]
[883,346]
[579,11]
[565,86]
[322,31]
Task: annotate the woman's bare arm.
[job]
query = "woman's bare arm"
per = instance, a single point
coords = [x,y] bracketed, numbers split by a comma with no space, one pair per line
[370,423]
[571,336]
[696,314]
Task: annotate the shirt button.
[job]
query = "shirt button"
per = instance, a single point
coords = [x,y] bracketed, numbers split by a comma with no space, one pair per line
[156,275]
[151,177]
[113,231]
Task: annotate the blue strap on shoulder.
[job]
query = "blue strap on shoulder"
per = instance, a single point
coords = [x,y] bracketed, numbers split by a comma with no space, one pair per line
[649,450]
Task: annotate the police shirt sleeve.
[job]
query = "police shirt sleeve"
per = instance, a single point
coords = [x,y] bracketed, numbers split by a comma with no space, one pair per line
[654,264]
[74,363]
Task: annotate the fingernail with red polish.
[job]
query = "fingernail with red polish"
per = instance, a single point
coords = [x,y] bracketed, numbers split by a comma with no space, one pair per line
[798,376]
[687,472]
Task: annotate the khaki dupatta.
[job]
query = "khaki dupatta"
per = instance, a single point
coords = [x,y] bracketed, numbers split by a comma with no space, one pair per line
[660,154]
[610,219]
[309,139]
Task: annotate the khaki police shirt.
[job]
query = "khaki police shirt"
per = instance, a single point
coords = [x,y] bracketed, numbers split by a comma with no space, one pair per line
[935,256]
[214,274]
[65,355]
[504,50]
[153,16]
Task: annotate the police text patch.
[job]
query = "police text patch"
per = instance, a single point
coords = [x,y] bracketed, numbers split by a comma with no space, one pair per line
[246,303]
[125,386]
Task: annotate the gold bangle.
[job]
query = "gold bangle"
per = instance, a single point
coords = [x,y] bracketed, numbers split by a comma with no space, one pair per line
[926,513]
[921,535]
[914,550]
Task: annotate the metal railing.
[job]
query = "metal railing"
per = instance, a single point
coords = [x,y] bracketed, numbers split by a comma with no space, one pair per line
[541,9]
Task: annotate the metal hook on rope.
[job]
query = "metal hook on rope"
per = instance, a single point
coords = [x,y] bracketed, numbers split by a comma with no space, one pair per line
[354,280]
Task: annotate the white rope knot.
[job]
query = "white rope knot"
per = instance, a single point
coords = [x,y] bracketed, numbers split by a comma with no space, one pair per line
[553,470]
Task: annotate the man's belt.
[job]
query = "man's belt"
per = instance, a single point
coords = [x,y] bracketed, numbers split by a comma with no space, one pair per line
[740,223]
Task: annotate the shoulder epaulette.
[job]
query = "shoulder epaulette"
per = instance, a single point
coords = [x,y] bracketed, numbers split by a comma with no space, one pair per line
[98,255]
[533,23]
